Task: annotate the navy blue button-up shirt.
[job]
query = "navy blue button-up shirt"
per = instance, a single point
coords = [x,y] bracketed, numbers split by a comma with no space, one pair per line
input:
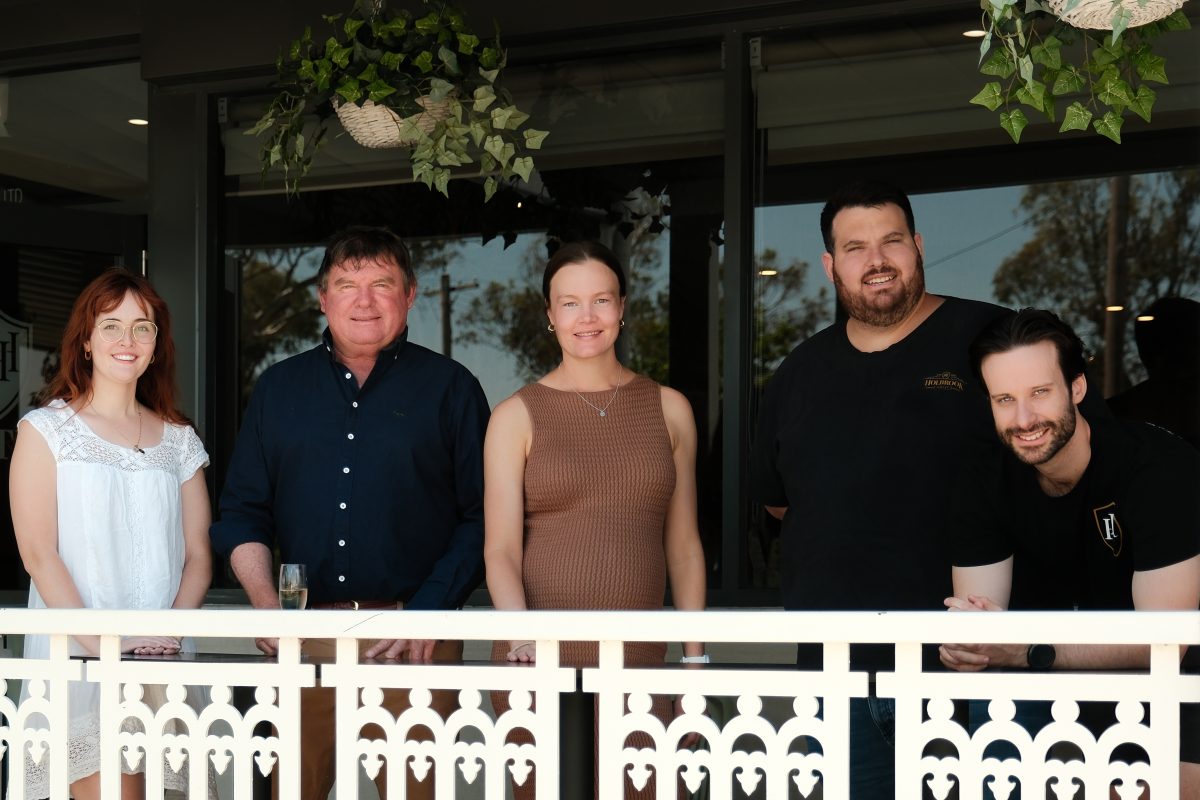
[377,489]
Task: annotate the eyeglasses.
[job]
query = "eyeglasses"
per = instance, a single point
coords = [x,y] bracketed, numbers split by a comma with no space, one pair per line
[143,332]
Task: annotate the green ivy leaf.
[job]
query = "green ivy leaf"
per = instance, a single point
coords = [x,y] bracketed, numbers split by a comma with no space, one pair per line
[523,166]
[299,146]
[487,163]
[379,89]
[499,149]
[984,46]
[1000,64]
[489,188]
[1076,118]
[1033,95]
[1014,122]
[423,172]
[1048,53]
[500,116]
[349,90]
[484,97]
[439,89]
[533,138]
[490,75]
[371,73]
[1150,67]
[467,42]
[428,25]
[516,119]
[424,61]
[274,155]
[1143,102]
[441,181]
[352,25]
[395,26]
[1112,91]
[1176,22]
[1068,80]
[990,96]
[489,58]
[450,59]
[478,131]
[391,61]
[1120,20]
[1109,126]
[1107,53]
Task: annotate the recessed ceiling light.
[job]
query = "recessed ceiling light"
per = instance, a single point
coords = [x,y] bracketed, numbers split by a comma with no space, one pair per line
[975,34]
[136,121]
[1146,318]
[1114,308]
[768,273]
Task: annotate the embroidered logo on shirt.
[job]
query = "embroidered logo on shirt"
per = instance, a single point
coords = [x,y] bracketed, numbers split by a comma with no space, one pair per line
[945,380]
[1109,527]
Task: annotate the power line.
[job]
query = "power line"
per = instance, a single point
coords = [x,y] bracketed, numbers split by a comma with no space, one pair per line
[980,243]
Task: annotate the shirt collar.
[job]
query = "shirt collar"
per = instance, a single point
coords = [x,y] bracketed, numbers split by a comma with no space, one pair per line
[392,349]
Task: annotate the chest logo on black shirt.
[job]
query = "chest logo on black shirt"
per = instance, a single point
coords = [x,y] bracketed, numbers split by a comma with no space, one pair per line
[1109,528]
[946,381]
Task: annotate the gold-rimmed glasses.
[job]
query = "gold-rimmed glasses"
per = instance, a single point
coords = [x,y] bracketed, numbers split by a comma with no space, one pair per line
[144,331]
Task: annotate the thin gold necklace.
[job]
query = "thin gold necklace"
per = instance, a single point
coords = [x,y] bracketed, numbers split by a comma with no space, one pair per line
[137,445]
[602,410]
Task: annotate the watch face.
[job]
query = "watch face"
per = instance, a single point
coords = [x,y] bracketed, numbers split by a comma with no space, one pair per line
[1041,656]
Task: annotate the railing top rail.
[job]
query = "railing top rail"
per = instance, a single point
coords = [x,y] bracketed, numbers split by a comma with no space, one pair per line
[766,626]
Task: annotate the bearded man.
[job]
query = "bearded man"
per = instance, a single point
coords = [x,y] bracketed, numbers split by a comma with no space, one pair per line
[1082,512]
[859,436]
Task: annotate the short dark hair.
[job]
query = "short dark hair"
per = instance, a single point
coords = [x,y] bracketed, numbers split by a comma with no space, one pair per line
[363,242]
[1026,327]
[864,194]
[577,253]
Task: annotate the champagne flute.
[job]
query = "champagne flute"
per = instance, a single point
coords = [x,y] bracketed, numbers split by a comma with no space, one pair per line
[293,586]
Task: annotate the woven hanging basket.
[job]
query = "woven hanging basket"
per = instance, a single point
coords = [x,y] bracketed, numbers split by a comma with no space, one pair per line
[379,127]
[1098,14]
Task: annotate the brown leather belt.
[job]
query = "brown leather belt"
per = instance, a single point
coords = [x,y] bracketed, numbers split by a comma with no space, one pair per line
[356,605]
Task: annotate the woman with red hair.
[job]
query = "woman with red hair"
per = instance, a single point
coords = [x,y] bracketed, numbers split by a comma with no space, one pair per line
[108,498]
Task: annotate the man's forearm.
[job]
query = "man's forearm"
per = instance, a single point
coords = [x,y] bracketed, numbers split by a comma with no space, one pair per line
[251,564]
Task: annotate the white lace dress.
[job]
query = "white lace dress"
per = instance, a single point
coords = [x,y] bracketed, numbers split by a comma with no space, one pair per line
[120,534]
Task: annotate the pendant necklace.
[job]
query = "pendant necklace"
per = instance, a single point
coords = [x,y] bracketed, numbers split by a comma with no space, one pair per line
[601,410]
[137,445]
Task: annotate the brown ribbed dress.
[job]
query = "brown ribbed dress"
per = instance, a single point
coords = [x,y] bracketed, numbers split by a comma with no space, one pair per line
[596,496]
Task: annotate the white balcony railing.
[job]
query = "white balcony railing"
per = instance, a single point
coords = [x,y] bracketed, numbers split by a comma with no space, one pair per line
[786,727]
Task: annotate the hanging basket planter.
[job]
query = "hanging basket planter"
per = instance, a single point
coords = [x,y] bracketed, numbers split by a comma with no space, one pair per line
[379,127]
[1101,14]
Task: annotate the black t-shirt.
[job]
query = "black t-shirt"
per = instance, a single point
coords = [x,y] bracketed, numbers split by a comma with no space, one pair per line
[862,449]
[1136,508]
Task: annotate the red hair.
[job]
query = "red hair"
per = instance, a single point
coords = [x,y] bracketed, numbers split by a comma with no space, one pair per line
[156,386]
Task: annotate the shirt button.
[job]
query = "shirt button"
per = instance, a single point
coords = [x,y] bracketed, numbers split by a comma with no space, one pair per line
[355,404]
[342,505]
[341,578]
[341,542]
[346,470]
[349,435]
[348,376]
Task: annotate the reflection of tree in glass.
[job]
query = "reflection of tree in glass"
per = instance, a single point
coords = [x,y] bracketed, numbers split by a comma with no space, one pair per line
[1063,267]
[784,315]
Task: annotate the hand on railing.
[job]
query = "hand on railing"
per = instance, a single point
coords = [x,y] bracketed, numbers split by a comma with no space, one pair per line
[150,645]
[523,651]
[976,657]
[419,651]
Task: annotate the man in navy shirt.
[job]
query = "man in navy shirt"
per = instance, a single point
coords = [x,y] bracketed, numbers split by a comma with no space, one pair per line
[362,459]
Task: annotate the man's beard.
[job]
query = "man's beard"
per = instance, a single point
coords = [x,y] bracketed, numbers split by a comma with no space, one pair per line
[1061,431]
[886,308]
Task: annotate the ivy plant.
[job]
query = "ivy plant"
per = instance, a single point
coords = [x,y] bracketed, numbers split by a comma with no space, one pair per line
[403,62]
[1037,60]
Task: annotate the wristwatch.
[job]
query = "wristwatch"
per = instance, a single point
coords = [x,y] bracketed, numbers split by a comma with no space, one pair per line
[1041,656]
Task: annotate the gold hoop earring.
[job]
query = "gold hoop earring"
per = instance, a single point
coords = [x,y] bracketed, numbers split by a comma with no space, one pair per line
[151,359]
[622,323]
[550,327]
[87,355]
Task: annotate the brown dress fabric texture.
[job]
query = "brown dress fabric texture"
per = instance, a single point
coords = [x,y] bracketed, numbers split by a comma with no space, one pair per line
[596,496]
